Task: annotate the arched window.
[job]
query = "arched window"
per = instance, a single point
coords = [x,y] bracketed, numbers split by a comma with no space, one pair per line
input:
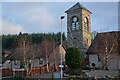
[75,23]
[86,28]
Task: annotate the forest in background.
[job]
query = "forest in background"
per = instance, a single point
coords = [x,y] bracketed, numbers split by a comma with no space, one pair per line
[11,41]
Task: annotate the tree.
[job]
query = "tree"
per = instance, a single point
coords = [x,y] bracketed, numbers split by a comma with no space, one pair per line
[109,44]
[11,41]
[45,43]
[24,51]
[73,57]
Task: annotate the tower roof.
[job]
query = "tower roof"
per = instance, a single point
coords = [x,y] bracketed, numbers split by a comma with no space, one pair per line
[77,6]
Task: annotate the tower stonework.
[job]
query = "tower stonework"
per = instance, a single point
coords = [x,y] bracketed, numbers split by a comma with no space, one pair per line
[79,28]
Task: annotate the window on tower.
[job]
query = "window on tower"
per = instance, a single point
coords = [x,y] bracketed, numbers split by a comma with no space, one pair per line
[87,41]
[75,24]
[86,24]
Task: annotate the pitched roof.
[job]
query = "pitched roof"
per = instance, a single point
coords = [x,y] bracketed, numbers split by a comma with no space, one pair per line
[103,40]
[77,6]
[37,51]
[4,58]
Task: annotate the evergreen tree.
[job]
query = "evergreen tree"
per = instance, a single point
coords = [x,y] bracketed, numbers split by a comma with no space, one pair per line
[73,57]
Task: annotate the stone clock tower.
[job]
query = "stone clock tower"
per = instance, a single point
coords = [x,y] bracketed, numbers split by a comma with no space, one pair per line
[79,28]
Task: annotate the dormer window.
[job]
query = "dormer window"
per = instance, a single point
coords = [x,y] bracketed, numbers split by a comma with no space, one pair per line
[75,24]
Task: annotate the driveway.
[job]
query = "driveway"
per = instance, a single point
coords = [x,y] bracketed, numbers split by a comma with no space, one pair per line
[101,73]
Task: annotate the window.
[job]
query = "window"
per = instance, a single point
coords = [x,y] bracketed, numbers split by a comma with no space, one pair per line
[30,61]
[93,64]
[98,58]
[87,40]
[86,24]
[41,61]
[15,62]
[75,24]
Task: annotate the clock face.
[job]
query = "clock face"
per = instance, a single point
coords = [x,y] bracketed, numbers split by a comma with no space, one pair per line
[74,19]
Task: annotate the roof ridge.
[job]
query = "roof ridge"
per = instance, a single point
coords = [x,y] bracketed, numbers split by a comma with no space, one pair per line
[77,6]
[108,32]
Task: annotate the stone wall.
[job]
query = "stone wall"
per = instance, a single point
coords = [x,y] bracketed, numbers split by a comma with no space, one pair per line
[78,38]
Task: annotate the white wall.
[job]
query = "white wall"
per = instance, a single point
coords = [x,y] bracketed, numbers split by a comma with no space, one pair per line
[112,65]
[55,57]
[36,63]
[7,64]
[13,65]
[93,58]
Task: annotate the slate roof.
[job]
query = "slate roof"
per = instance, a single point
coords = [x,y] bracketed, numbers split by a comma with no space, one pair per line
[34,50]
[76,7]
[3,55]
[103,40]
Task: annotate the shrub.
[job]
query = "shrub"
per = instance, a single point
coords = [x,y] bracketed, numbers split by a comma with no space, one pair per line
[86,68]
[73,77]
[73,57]
[97,68]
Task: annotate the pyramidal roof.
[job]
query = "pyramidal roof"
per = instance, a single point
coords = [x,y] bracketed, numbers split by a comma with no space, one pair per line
[77,6]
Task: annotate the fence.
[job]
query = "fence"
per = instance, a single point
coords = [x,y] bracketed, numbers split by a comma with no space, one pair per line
[34,71]
[6,72]
[37,70]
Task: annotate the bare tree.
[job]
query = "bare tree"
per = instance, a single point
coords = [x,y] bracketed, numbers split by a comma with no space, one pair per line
[108,43]
[25,51]
[51,52]
[45,47]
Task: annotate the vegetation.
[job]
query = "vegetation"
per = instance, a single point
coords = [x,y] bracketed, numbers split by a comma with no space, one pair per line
[86,68]
[72,77]
[73,57]
[76,75]
[89,68]
[11,41]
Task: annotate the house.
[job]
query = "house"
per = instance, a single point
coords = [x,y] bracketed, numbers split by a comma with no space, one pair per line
[37,55]
[104,51]
[5,61]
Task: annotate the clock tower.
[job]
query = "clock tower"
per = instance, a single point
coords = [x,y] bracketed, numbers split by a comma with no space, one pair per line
[79,28]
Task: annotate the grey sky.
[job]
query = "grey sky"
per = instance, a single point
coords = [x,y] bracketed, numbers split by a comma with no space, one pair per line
[37,17]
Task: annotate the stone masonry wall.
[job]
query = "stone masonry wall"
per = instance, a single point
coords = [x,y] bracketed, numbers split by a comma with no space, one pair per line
[78,38]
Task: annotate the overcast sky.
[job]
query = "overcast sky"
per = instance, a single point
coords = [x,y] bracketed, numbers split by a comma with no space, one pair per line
[37,17]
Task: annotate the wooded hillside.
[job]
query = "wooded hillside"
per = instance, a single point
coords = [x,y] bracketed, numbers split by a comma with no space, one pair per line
[11,41]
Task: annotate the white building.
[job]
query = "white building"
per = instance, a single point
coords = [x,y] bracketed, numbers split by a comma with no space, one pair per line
[36,55]
[105,51]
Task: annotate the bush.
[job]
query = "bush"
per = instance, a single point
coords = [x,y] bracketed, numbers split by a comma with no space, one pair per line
[89,68]
[73,77]
[97,68]
[73,57]
[86,68]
